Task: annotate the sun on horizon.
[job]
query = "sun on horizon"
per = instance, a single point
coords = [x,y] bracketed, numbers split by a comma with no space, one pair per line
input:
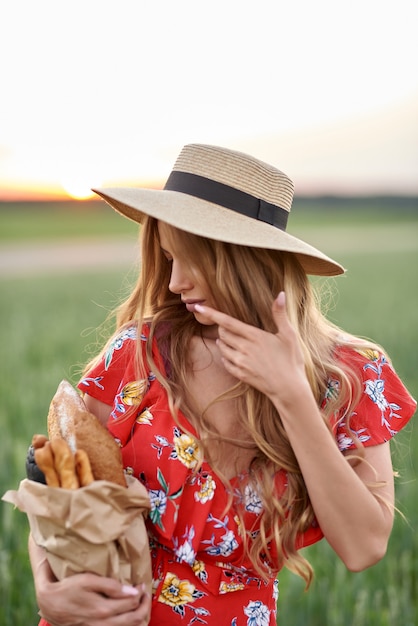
[77,188]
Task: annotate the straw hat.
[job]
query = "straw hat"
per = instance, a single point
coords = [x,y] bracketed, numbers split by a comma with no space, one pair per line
[224,195]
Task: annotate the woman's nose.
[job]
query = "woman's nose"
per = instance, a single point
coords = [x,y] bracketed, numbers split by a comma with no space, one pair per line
[180,278]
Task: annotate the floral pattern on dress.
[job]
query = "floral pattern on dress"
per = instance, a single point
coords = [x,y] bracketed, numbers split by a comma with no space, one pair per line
[130,395]
[378,399]
[180,595]
[226,543]
[375,389]
[200,572]
[252,500]
[159,499]
[258,613]
[207,486]
[118,343]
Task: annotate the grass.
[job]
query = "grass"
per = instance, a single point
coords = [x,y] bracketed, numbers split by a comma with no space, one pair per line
[46,325]
[21,221]
[24,221]
[378,299]
[47,329]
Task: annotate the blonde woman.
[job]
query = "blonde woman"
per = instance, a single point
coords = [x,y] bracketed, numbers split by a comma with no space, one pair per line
[256,425]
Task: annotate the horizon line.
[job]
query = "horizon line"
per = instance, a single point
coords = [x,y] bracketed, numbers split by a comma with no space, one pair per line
[320,195]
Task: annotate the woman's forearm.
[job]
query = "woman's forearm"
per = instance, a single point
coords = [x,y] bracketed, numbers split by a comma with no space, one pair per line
[41,569]
[355,523]
[86,598]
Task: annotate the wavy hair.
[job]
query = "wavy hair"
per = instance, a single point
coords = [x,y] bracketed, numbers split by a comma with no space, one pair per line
[247,295]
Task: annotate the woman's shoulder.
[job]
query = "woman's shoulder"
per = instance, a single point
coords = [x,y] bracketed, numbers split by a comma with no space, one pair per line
[126,336]
[357,352]
[371,365]
[385,406]
[123,343]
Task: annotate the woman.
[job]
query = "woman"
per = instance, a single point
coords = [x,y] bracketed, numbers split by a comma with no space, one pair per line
[257,426]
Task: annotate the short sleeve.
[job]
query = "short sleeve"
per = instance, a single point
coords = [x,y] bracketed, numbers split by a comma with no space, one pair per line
[385,406]
[102,382]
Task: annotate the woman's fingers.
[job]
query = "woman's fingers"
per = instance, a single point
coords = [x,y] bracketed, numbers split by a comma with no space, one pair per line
[265,360]
[230,328]
[222,320]
[280,316]
[87,599]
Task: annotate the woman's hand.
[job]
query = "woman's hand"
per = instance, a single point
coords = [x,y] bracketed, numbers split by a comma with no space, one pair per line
[273,363]
[90,600]
[86,599]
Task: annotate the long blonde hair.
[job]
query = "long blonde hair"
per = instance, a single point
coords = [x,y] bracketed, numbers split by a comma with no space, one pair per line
[243,282]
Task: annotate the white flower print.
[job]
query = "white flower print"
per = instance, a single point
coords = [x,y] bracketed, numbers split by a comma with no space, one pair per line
[228,543]
[96,381]
[158,500]
[375,389]
[275,590]
[185,553]
[252,500]
[258,614]
[345,442]
[117,343]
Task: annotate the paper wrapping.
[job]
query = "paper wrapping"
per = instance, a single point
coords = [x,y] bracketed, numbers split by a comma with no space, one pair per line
[99,528]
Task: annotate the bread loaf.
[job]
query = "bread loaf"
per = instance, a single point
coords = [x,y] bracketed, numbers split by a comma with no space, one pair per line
[69,419]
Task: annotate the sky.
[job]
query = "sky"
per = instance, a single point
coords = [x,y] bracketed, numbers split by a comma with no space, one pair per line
[98,92]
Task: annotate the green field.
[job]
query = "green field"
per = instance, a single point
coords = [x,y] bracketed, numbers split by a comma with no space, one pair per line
[23,221]
[48,328]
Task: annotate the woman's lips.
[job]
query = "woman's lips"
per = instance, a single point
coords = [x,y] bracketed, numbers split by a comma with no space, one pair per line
[190,304]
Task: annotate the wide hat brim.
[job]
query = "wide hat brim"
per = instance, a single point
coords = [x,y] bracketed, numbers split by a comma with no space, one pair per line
[210,220]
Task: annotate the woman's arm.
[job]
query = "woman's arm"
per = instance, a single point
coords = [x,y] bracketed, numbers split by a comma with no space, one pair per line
[86,599]
[354,520]
[101,410]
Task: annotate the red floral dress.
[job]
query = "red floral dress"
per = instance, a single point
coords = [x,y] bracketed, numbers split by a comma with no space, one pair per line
[200,575]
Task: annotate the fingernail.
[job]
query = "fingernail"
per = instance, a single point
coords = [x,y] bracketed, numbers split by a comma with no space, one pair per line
[129,591]
[281,298]
[198,307]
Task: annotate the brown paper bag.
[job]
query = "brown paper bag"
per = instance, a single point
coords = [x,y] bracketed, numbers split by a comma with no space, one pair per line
[99,528]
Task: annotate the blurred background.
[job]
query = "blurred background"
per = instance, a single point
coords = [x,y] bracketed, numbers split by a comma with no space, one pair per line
[97,93]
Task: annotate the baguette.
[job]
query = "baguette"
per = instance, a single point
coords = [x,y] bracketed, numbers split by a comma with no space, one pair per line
[64,463]
[83,468]
[44,459]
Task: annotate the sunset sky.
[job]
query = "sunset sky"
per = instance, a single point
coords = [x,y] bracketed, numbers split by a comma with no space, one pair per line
[96,93]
